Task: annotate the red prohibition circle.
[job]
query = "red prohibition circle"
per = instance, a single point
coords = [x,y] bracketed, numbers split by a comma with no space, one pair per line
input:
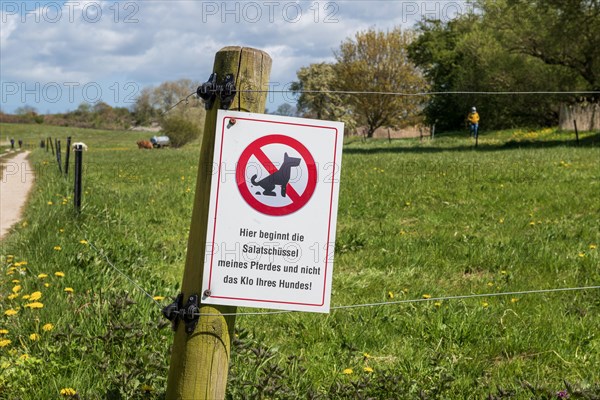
[298,201]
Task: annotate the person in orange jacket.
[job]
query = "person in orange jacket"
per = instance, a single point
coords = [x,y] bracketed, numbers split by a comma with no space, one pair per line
[473,119]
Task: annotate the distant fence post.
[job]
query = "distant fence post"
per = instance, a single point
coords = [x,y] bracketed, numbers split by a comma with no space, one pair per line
[51,144]
[432,131]
[58,160]
[67,155]
[576,132]
[78,150]
[200,359]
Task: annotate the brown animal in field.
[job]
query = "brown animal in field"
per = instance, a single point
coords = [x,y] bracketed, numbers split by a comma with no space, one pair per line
[144,144]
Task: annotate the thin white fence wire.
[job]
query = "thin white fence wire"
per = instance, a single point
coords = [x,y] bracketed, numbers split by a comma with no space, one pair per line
[399,94]
[406,301]
[353,306]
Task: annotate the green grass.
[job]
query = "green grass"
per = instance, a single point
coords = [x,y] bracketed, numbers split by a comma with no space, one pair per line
[438,218]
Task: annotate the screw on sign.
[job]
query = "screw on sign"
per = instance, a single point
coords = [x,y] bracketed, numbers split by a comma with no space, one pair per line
[274,190]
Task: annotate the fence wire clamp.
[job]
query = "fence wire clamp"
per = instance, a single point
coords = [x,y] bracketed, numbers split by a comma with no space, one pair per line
[210,89]
[188,313]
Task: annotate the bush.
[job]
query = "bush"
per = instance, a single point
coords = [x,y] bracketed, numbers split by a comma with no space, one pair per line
[181,131]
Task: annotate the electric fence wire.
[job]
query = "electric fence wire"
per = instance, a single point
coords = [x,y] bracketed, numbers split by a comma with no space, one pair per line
[102,253]
[400,94]
[406,301]
[352,306]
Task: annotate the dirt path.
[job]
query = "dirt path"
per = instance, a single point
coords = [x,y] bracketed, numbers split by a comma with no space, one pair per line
[15,184]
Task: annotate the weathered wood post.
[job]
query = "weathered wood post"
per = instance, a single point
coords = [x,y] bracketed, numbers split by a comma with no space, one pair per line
[67,155]
[58,154]
[200,360]
[576,131]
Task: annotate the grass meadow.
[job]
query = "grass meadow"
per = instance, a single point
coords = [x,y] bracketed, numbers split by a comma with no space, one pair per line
[416,221]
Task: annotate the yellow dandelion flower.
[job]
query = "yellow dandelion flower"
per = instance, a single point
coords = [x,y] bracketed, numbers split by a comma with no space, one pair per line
[46,285]
[437,304]
[366,355]
[514,300]
[59,274]
[26,297]
[57,248]
[347,371]
[426,296]
[12,296]
[10,312]
[50,203]
[24,357]
[368,369]
[581,255]
[405,290]
[503,272]
[147,388]
[390,295]
[42,276]
[69,290]
[159,298]
[16,289]
[35,296]
[501,220]
[3,331]
[490,284]
[47,327]
[83,241]
[5,342]
[10,272]
[532,223]
[34,336]
[35,304]
[61,230]
[68,392]
[484,304]
[593,246]
[15,281]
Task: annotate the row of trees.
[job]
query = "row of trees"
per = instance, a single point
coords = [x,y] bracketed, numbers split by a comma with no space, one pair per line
[431,73]
[503,46]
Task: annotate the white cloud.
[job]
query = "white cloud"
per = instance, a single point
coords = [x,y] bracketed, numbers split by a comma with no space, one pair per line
[154,41]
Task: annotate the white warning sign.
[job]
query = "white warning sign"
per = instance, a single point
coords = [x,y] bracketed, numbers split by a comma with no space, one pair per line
[273,211]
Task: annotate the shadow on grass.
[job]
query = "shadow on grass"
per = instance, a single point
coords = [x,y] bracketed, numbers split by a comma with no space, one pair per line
[588,141]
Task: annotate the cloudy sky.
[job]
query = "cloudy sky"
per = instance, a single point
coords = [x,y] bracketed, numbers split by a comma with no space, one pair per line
[55,55]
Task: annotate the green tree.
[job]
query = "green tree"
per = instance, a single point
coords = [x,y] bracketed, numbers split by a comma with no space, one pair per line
[466,55]
[180,130]
[558,32]
[155,103]
[317,99]
[376,61]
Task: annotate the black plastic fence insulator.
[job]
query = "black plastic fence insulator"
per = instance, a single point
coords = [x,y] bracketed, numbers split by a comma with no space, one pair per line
[188,313]
[78,170]
[225,90]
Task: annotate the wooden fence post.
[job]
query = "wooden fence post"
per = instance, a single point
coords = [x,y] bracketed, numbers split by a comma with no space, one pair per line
[200,360]
[58,154]
[576,132]
[67,155]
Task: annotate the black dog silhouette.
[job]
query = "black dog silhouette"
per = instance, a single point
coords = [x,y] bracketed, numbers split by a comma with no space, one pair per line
[280,177]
